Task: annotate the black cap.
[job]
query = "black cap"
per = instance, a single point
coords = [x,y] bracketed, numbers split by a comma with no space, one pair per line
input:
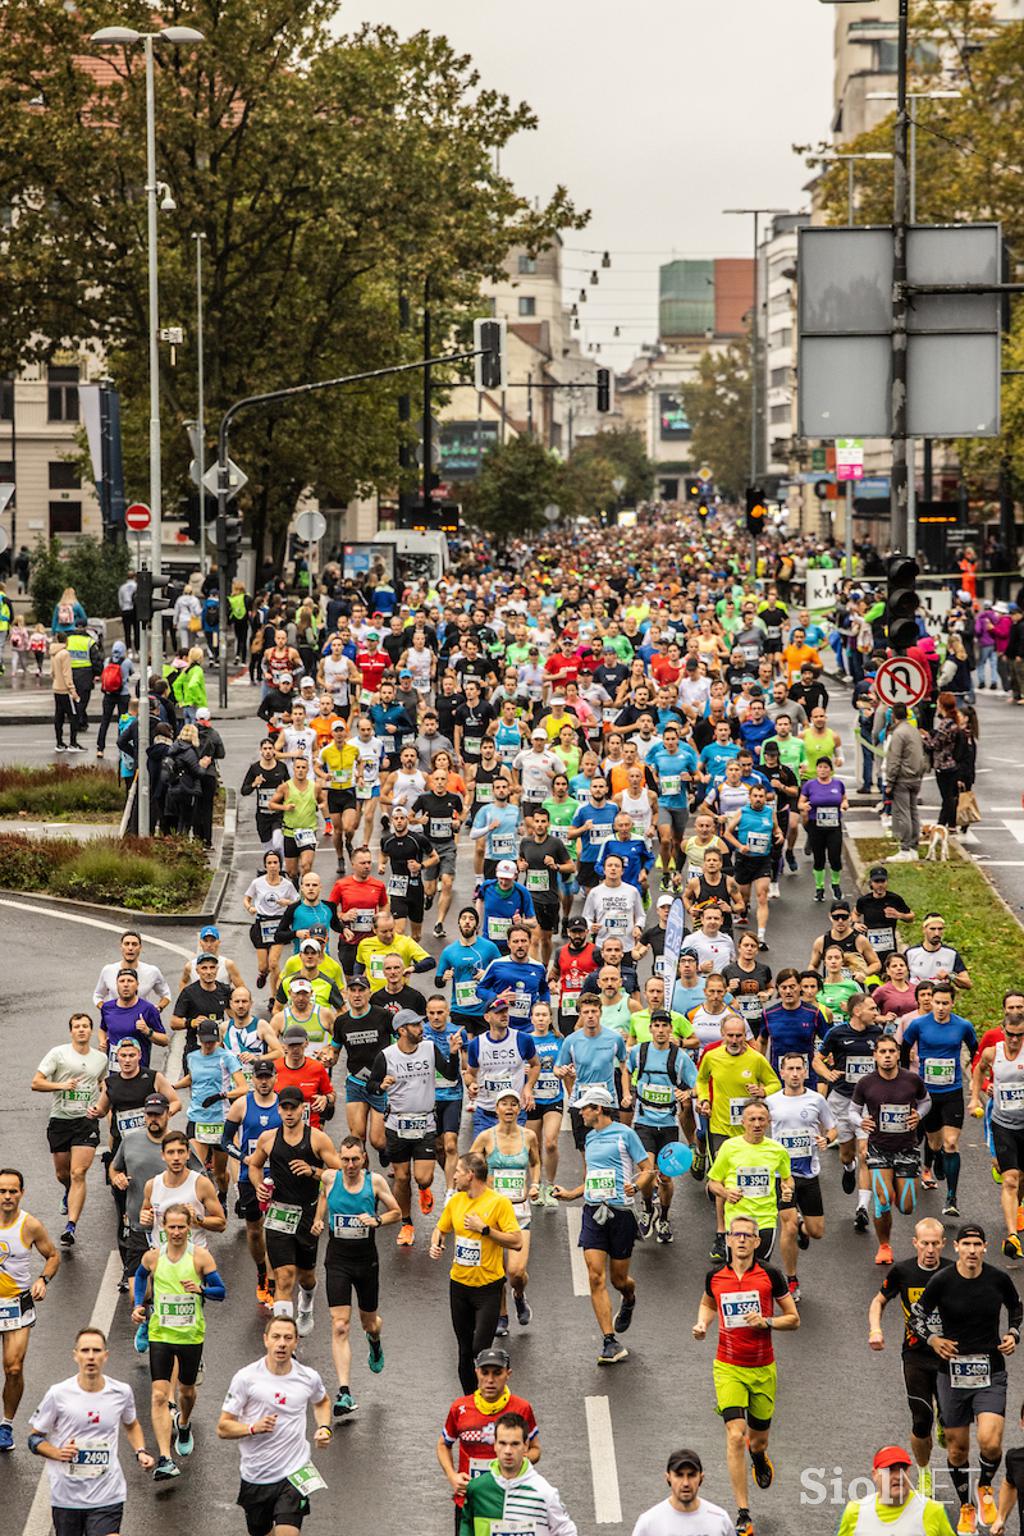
[156,1104]
[360,980]
[878,872]
[290,1095]
[208,1029]
[127,970]
[264,1068]
[499,1357]
[680,1459]
[840,906]
[577,922]
[662,1015]
[971,1229]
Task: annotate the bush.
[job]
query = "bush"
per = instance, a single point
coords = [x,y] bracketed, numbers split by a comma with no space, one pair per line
[59,791]
[154,874]
[95,571]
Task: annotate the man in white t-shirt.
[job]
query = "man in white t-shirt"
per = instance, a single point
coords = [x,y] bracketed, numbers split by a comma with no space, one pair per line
[713,948]
[152,986]
[265,1410]
[614,908]
[75,1430]
[684,1512]
[296,739]
[535,768]
[72,1073]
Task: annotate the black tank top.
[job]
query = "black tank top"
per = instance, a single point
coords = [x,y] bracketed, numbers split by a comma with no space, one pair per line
[715,895]
[294,1188]
[127,1093]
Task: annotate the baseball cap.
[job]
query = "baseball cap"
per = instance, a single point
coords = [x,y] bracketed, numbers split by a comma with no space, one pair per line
[405,672]
[128,970]
[509,1093]
[264,1069]
[497,1005]
[310,943]
[890,1456]
[665,900]
[840,906]
[878,872]
[156,1103]
[290,1096]
[360,981]
[596,1095]
[130,1040]
[307,682]
[538,733]
[294,1032]
[506,869]
[204,959]
[211,931]
[691,663]
[318,931]
[971,1229]
[662,1015]
[203,714]
[680,1459]
[577,922]
[339,725]
[372,634]
[498,1357]
[208,1029]
[405,1017]
[302,984]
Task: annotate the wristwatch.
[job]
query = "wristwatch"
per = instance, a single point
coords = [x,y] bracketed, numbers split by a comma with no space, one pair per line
[485,1231]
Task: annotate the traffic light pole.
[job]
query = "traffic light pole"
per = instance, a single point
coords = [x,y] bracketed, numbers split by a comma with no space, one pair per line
[250,401]
[898,400]
[141,754]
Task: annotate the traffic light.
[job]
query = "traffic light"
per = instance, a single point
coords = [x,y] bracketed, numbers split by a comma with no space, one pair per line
[490,367]
[901,602]
[694,490]
[604,389]
[229,543]
[702,511]
[757,511]
[150,595]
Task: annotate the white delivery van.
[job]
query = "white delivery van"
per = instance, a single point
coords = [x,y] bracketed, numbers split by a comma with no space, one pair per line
[418,556]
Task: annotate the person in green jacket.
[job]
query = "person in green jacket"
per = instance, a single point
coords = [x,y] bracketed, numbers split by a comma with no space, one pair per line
[511,1495]
[189,687]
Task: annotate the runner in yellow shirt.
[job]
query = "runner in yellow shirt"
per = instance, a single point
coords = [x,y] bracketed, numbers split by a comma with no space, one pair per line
[385,941]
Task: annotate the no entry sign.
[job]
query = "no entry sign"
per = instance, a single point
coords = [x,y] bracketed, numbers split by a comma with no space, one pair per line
[137,516]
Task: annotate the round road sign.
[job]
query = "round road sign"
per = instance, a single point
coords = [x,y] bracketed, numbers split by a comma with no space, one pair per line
[902,680]
[137,516]
[310,527]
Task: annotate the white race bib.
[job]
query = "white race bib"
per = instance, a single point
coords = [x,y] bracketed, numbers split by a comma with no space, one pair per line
[398,885]
[283,1218]
[969,1372]
[939,1072]
[209,1132]
[467,1252]
[538,880]
[510,1182]
[598,1187]
[465,994]
[754,1183]
[738,1307]
[304,837]
[498,928]
[92,1459]
[827,816]
[892,1119]
[176,1311]
[412,1127]
[736,1108]
[758,842]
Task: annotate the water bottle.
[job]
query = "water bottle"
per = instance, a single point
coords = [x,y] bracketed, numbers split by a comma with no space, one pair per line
[264,1204]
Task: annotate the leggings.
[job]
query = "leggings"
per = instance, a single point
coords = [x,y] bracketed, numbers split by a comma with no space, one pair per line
[948,780]
[474,1311]
[826,841]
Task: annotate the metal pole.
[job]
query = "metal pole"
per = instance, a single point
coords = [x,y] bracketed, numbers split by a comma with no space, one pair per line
[529,403]
[911,444]
[753,374]
[428,420]
[142,766]
[201,419]
[14,473]
[912,195]
[849,191]
[848,530]
[405,495]
[222,569]
[898,399]
[156,524]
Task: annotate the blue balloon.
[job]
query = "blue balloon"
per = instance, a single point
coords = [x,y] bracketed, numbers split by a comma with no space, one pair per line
[675,1159]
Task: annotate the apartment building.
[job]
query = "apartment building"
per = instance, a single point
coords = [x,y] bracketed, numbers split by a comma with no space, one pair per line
[39,429]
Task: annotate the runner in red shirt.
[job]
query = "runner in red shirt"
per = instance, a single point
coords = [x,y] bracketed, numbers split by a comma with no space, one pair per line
[570,968]
[372,662]
[305,1073]
[743,1295]
[358,898]
[471,1420]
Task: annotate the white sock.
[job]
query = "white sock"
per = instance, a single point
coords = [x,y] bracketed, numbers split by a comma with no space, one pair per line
[305,1300]
[760,933]
[863,1199]
[283,1309]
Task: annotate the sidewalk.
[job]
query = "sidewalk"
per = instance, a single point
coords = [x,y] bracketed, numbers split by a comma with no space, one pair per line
[32,703]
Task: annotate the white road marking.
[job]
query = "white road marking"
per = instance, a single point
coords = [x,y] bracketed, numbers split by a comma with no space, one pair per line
[39,1521]
[1015,828]
[998,863]
[604,1474]
[577,1263]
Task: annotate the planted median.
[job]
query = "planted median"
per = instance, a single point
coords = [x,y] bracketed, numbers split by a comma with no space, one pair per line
[145,874]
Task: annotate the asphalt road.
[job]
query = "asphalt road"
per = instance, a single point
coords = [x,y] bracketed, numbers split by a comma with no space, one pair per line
[605,1432]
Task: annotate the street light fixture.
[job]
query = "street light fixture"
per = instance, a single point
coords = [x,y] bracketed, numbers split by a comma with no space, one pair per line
[833,159]
[126,36]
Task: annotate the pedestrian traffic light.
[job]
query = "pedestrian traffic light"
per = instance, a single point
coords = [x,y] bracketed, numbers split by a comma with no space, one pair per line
[229,544]
[901,602]
[604,389]
[757,511]
[490,368]
[150,595]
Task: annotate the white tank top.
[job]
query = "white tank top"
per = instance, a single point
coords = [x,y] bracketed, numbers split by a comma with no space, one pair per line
[639,808]
[222,971]
[1008,1088]
[14,1257]
[910,1522]
[184,1194]
[336,678]
[407,789]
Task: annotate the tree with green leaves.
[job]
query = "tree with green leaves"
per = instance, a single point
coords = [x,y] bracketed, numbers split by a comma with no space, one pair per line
[329,175]
[622,450]
[717,405]
[517,481]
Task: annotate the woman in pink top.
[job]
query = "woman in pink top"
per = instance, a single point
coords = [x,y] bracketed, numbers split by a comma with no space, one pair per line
[896,998]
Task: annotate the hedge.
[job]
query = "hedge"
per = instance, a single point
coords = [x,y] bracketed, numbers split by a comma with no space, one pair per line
[154,874]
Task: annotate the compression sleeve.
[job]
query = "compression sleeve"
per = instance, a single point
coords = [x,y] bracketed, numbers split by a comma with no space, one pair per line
[141,1284]
[227,1139]
[426,964]
[213,1288]
[924,1105]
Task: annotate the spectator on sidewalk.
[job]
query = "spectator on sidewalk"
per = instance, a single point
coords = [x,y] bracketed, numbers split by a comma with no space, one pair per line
[985,635]
[948,746]
[65,695]
[905,765]
[126,607]
[1015,654]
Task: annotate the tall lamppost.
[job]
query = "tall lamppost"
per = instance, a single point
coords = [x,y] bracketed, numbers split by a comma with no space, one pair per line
[124,37]
[200,385]
[868,154]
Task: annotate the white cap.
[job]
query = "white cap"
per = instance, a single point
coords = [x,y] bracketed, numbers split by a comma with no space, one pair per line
[538,732]
[307,682]
[507,869]
[665,900]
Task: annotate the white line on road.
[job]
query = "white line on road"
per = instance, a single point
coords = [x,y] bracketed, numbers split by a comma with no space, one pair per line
[577,1263]
[94,922]
[604,1473]
[998,863]
[1015,829]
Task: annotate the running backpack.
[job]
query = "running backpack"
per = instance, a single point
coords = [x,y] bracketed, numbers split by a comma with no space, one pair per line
[670,1064]
[111,678]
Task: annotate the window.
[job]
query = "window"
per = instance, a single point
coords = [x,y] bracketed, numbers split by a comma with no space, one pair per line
[673,422]
[64,476]
[6,399]
[62,394]
[781,339]
[527,306]
[778,378]
[7,471]
[65,517]
[781,413]
[527,263]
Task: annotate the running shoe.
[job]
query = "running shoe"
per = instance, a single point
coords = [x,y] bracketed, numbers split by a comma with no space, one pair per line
[987,1505]
[524,1312]
[261,980]
[861,1220]
[762,945]
[501,1332]
[951,1208]
[304,1321]
[699,1167]
[6,1437]
[925,1482]
[967,1524]
[612,1351]
[997,1177]
[764,1471]
[794,1287]
[624,1316]
[426,1201]
[645,1221]
[791,863]
[142,1339]
[64,1204]
[1020,1218]
[164,1469]
[774,894]
[264,1295]
[803,1242]
[406,1235]
[184,1443]
[439,930]
[837,891]
[819,895]
[717,1251]
[376,1360]
[344,1404]
[744,1524]
[67,1237]
[1012,1248]
[663,1229]
[884,1254]
[928,1179]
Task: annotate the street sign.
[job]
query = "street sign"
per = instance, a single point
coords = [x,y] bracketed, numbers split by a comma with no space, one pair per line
[849,458]
[237,479]
[704,473]
[137,516]
[902,680]
[310,527]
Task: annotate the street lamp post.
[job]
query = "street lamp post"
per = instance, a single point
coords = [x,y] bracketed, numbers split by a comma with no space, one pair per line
[834,159]
[200,385]
[126,36]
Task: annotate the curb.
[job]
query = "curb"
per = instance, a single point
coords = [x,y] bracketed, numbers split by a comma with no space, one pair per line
[212,903]
[859,868]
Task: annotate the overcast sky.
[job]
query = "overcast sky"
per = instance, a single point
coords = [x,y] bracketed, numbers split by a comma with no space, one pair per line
[655,115]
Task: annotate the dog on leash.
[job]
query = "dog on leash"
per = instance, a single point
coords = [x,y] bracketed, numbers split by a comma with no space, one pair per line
[938,841]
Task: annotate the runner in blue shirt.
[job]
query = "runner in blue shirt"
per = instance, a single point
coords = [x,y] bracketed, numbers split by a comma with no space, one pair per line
[591,828]
[675,762]
[940,1037]
[591,1054]
[661,1072]
[790,1025]
[214,1077]
[466,959]
[497,823]
[521,980]
[503,902]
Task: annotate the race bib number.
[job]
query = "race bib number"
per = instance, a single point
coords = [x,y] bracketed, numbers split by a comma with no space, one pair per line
[520,1005]
[547,1086]
[670,783]
[570,1002]
[754,1183]
[80,1097]
[304,837]
[827,816]
[736,1108]
[92,1459]
[492,1086]
[268,928]
[484,794]
[465,994]
[377,967]
[471,746]
[857,1066]
[799,1144]
[510,1182]
[348,1227]
[364,791]
[738,1307]
[398,885]
[657,1095]
[893,1118]
[283,1218]
[11,1315]
[598,1187]
[749,1007]
[307,1480]
[498,928]
[412,1127]
[504,845]
[538,880]
[969,1372]
[467,1252]
[599,835]
[758,842]
[176,1311]
[209,1132]
[130,1120]
[1010,1095]
[441,829]
[939,1072]
[880,939]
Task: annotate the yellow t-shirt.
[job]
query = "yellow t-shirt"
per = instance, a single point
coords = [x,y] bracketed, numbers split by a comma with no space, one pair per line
[730,1077]
[371,952]
[339,763]
[478,1260]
